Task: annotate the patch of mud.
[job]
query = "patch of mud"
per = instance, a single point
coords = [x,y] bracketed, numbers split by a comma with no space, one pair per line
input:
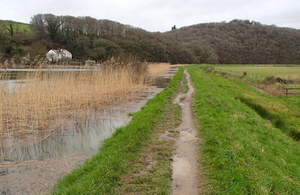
[36,177]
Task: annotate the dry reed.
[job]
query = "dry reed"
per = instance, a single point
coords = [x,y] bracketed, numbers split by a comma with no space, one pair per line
[47,100]
[159,68]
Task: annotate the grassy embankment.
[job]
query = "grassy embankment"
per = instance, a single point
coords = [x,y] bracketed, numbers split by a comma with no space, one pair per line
[133,160]
[283,112]
[242,153]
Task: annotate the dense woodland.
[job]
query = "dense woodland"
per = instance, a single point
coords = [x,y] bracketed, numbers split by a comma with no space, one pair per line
[238,41]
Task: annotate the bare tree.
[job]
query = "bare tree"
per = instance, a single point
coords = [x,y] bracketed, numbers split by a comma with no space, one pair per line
[38,24]
[90,26]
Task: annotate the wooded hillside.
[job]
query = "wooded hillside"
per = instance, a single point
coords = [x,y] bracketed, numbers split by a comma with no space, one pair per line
[238,41]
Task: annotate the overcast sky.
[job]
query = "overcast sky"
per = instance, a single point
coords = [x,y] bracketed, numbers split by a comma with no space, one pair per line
[160,15]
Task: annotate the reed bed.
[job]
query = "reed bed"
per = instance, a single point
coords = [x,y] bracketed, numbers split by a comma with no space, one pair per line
[45,101]
[159,68]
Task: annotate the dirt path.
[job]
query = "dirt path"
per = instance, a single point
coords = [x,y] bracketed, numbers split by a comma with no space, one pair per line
[186,179]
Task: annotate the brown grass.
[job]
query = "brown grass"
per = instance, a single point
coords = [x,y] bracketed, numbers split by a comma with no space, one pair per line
[46,100]
[159,68]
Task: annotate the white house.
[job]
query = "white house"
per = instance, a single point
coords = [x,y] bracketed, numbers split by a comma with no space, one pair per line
[58,55]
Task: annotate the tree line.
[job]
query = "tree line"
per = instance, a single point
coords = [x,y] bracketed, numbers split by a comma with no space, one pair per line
[238,41]
[99,40]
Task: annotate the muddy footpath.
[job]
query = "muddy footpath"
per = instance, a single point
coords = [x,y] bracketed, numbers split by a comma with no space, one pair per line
[186,177]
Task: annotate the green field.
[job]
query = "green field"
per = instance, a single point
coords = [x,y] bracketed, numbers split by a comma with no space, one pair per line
[262,71]
[17,27]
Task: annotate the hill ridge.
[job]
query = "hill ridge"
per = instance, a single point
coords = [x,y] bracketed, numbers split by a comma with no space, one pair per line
[234,42]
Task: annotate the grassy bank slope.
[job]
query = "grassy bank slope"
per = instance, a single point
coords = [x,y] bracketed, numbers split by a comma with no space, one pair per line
[283,112]
[106,172]
[241,153]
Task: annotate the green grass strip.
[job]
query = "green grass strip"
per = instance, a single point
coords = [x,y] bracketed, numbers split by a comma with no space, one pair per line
[240,152]
[104,173]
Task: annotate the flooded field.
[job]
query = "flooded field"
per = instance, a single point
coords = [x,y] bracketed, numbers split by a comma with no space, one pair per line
[32,164]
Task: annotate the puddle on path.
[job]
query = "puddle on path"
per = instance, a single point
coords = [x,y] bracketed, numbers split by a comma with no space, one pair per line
[27,168]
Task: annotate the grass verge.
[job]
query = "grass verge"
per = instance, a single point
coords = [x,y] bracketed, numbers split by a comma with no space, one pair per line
[240,152]
[111,170]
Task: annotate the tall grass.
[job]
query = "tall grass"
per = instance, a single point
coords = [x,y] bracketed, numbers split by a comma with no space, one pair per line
[46,100]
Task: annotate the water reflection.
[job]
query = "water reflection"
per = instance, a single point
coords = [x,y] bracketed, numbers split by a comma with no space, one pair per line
[161,81]
[85,138]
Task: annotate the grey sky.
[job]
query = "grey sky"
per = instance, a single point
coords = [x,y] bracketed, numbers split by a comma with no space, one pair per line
[160,15]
